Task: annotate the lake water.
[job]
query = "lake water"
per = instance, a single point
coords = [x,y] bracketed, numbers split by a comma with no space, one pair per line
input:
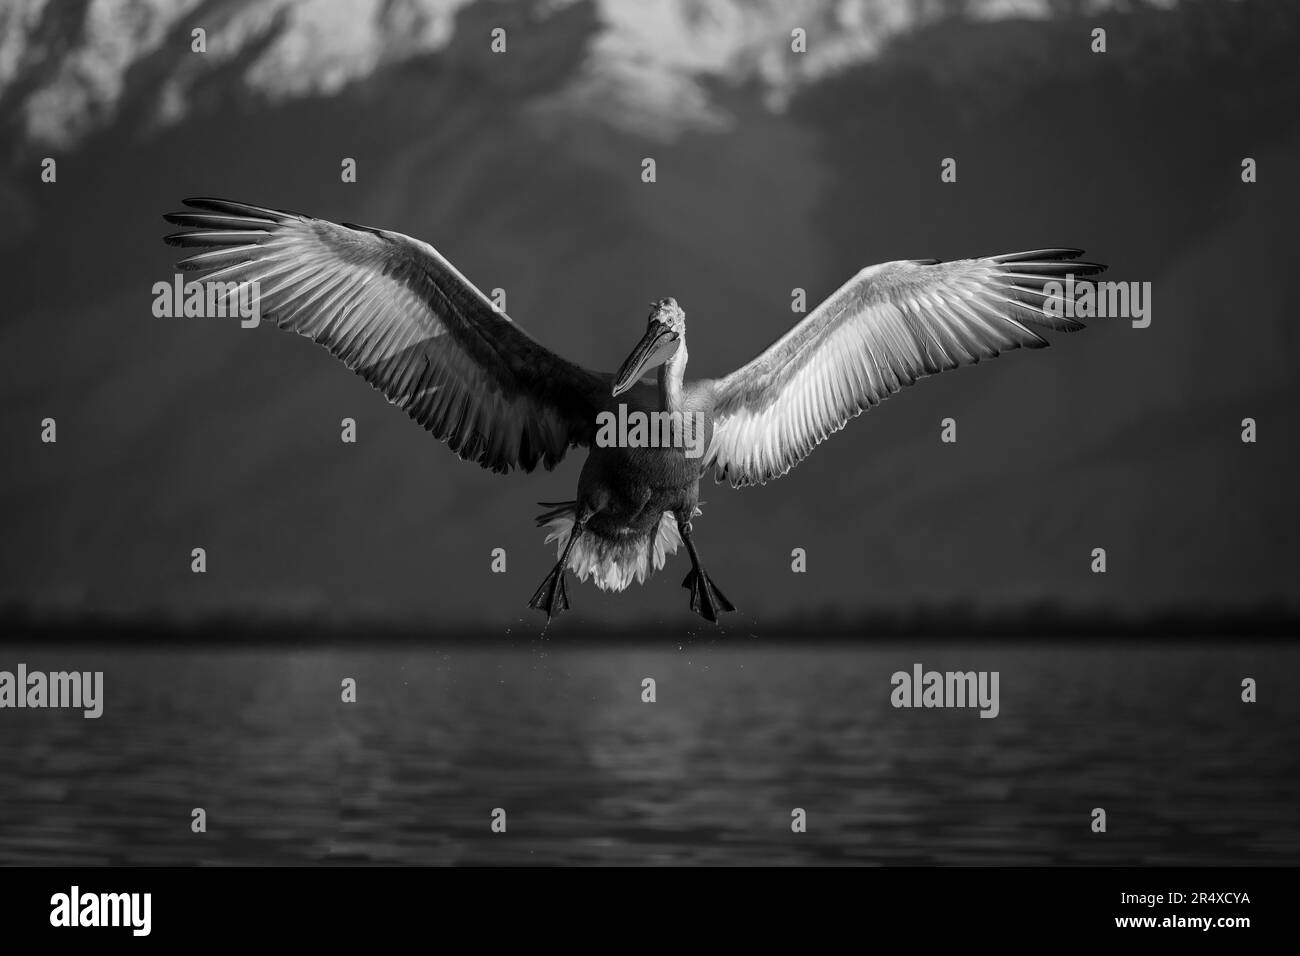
[587,773]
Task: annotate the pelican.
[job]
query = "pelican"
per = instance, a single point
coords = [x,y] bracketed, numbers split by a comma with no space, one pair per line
[396,312]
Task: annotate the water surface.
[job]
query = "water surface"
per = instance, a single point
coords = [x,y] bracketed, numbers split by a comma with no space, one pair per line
[587,773]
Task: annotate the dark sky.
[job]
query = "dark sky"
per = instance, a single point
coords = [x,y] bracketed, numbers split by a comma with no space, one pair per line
[179,433]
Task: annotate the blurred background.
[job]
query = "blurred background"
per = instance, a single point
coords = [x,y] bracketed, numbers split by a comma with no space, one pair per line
[775,170]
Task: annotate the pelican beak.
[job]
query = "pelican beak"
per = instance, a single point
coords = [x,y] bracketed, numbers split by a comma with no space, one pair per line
[655,348]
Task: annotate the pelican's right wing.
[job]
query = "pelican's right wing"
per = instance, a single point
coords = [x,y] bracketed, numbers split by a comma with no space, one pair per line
[888,326]
[397,313]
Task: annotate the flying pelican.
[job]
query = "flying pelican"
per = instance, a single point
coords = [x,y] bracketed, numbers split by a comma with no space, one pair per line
[393,310]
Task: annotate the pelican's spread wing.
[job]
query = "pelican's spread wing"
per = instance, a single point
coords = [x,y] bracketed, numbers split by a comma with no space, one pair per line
[401,316]
[886,327]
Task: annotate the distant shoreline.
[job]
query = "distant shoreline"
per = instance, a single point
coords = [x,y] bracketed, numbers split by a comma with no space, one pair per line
[1271,624]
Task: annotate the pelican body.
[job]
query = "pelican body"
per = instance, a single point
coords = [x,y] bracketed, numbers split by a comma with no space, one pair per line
[392,309]
[635,504]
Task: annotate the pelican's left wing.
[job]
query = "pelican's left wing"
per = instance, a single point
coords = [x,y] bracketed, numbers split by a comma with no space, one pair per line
[397,313]
[888,326]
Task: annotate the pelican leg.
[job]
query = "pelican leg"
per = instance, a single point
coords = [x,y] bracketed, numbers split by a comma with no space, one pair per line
[553,597]
[706,599]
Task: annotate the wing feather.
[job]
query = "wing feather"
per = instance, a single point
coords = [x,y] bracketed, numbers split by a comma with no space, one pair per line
[392,309]
[887,327]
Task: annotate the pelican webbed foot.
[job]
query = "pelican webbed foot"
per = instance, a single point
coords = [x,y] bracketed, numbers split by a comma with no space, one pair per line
[553,596]
[706,599]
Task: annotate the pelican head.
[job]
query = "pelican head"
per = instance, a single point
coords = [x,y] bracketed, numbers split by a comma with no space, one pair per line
[665,332]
